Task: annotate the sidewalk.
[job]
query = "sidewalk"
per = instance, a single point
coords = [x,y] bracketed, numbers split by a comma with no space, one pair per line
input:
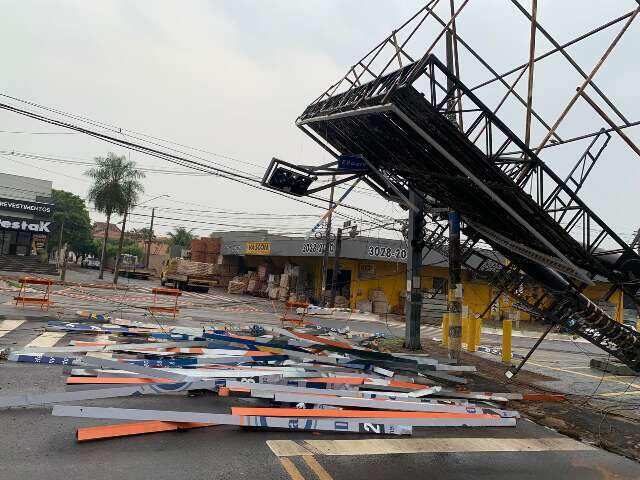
[393,320]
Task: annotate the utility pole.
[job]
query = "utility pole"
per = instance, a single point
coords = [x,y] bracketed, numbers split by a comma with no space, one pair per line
[153,214]
[327,245]
[60,243]
[415,244]
[116,270]
[104,245]
[454,294]
[336,267]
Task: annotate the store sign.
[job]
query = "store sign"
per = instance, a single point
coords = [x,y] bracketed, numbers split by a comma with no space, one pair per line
[257,248]
[366,271]
[25,206]
[27,225]
[379,251]
[316,247]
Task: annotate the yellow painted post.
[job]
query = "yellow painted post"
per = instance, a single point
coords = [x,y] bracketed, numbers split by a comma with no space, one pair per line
[445,328]
[506,341]
[478,330]
[472,322]
[638,325]
[620,307]
[465,330]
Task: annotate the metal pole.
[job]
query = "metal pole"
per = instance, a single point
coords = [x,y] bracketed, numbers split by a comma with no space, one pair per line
[116,270]
[532,53]
[60,244]
[415,242]
[153,214]
[513,372]
[327,245]
[454,297]
[336,267]
[104,246]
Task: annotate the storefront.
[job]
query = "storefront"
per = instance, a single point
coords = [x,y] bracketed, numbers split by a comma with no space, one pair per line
[21,236]
[26,215]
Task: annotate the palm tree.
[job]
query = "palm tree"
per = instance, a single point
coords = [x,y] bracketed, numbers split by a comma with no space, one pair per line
[181,236]
[116,187]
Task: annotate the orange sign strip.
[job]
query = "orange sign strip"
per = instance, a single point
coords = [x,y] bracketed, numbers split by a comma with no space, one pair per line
[299,412]
[138,428]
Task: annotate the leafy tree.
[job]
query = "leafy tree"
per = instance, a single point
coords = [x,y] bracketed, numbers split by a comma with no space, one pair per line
[181,236]
[116,186]
[71,211]
[130,247]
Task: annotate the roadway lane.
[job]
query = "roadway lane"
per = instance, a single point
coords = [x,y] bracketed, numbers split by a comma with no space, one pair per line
[34,444]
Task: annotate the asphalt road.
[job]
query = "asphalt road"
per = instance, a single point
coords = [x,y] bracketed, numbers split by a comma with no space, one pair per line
[35,444]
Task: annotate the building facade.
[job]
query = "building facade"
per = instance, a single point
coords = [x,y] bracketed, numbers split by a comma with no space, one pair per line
[367,264]
[26,214]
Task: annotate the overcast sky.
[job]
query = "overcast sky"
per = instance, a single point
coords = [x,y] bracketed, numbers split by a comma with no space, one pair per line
[230,77]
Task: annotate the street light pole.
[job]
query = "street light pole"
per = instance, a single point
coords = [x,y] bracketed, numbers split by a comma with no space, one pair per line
[153,214]
[336,268]
[327,246]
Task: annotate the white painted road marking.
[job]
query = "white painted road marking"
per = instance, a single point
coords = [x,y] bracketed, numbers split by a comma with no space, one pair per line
[286,448]
[7,326]
[47,339]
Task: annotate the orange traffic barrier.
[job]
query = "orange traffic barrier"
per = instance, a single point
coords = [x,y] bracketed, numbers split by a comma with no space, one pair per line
[300,412]
[138,428]
[116,380]
[43,301]
[171,292]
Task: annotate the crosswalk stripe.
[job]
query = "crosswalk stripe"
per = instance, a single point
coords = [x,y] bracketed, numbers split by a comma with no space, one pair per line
[47,339]
[7,326]
[285,448]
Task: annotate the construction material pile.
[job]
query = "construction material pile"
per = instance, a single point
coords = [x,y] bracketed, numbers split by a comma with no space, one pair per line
[305,378]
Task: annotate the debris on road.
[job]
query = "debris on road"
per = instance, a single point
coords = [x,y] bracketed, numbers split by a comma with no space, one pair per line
[303,378]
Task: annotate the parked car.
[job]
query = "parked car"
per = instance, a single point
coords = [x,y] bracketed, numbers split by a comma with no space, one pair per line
[90,263]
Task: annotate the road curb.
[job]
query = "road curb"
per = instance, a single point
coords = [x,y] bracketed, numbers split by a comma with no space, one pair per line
[30,318]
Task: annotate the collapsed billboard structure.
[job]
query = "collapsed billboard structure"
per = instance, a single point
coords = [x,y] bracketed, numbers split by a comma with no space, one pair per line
[422,131]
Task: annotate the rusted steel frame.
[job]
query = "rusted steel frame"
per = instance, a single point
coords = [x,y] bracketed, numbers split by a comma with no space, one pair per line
[572,61]
[379,47]
[532,53]
[555,50]
[587,80]
[504,98]
[607,119]
[395,44]
[495,73]
[456,63]
[584,137]
[420,63]
[429,9]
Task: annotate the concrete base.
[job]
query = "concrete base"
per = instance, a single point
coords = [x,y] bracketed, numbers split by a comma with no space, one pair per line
[612,367]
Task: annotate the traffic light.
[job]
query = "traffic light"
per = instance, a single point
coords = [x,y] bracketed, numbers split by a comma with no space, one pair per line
[288,178]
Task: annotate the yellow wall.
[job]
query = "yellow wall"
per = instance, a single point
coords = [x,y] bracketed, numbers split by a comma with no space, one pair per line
[391,277]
